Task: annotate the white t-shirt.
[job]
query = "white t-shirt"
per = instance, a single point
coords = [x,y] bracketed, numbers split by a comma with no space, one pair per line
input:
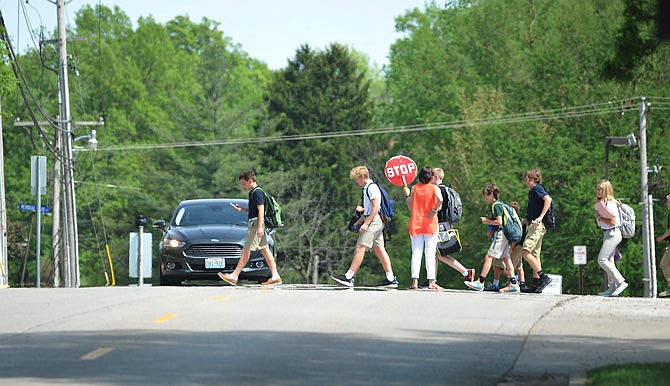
[370,192]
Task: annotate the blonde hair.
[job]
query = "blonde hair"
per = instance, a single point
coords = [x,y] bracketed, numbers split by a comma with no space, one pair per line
[534,175]
[439,173]
[608,191]
[359,171]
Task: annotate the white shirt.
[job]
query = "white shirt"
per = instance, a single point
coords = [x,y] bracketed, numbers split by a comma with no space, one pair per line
[370,192]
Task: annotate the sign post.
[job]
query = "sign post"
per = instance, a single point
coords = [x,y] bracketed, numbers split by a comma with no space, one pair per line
[38,187]
[579,257]
[400,170]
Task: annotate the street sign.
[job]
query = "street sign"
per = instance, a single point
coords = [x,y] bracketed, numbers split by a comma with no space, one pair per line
[33,208]
[400,170]
[579,254]
[38,175]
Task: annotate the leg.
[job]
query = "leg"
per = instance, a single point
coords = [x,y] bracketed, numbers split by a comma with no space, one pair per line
[453,263]
[359,254]
[430,245]
[417,250]
[241,263]
[270,260]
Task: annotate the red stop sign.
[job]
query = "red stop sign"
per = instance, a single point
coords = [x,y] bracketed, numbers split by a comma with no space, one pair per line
[400,170]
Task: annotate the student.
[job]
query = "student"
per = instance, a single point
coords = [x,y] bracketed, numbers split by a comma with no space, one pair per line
[371,231]
[256,238]
[424,200]
[539,202]
[515,250]
[499,248]
[665,261]
[607,218]
[468,273]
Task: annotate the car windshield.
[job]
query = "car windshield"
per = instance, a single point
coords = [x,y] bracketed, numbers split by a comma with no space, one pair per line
[209,214]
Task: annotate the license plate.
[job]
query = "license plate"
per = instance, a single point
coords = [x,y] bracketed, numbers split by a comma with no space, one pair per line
[215,262]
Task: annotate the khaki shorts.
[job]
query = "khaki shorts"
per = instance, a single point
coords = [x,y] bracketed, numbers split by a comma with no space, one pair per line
[498,263]
[517,259]
[252,242]
[533,241]
[374,236]
[499,248]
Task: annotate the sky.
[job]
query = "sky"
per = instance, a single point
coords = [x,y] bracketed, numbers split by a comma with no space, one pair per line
[268,30]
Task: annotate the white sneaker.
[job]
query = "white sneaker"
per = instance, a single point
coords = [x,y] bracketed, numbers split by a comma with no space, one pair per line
[665,294]
[619,289]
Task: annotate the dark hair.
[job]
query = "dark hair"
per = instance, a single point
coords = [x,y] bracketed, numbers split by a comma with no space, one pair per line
[426,174]
[534,175]
[249,175]
[491,189]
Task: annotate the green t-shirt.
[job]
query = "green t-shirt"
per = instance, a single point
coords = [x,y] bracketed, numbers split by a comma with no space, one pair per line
[497,210]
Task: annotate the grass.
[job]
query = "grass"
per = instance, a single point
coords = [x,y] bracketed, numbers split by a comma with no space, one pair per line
[647,374]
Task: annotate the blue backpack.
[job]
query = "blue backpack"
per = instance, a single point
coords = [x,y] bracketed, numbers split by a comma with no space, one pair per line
[511,223]
[386,207]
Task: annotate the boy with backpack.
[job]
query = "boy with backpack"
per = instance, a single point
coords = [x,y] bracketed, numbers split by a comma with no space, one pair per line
[450,213]
[371,231]
[499,248]
[539,203]
[256,238]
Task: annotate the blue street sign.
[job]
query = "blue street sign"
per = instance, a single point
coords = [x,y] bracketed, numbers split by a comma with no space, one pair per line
[33,208]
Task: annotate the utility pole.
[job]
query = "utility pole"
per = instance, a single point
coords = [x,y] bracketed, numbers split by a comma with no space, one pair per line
[4,274]
[648,244]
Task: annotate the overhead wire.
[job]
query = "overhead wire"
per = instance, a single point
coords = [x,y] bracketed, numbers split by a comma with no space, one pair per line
[517,118]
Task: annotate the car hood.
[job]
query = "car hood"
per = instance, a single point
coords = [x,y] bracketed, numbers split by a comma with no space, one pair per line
[209,233]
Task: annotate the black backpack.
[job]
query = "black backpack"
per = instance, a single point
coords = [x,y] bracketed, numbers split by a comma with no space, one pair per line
[549,219]
[452,207]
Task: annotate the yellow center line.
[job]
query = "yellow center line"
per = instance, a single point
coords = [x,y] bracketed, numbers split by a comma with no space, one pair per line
[219,298]
[97,353]
[165,318]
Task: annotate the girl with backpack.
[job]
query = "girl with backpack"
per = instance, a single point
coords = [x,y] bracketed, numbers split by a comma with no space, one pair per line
[607,218]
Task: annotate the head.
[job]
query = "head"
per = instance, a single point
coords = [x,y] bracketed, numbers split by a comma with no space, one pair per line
[604,191]
[426,175]
[359,175]
[516,206]
[491,192]
[532,177]
[439,176]
[248,179]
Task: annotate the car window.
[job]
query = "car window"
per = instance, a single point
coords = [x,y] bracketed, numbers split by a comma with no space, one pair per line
[209,214]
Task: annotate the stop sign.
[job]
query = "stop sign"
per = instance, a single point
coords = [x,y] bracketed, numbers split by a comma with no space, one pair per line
[400,170]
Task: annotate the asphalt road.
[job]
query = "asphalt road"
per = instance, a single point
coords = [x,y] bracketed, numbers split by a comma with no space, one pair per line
[318,335]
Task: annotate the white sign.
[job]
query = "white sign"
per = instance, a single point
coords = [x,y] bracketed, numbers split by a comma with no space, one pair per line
[579,254]
[133,254]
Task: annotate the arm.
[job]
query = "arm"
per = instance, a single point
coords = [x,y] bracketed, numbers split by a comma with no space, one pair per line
[547,203]
[408,197]
[367,220]
[488,221]
[438,202]
[261,219]
[663,236]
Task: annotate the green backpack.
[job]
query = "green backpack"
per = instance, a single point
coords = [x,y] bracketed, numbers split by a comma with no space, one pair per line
[272,215]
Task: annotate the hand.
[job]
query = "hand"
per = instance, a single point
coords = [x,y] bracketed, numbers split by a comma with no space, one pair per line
[483,220]
[364,227]
[406,189]
[430,214]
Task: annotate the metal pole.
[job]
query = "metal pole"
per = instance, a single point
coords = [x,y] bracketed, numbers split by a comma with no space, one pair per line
[70,230]
[652,243]
[39,222]
[646,245]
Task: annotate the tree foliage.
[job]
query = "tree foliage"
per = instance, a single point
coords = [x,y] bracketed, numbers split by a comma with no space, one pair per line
[485,89]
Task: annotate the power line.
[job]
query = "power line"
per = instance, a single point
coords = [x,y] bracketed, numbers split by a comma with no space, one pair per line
[563,113]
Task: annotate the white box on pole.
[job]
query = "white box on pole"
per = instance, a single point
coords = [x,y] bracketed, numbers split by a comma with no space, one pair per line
[133,255]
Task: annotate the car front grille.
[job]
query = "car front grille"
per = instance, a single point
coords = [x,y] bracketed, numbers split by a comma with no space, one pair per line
[213,250]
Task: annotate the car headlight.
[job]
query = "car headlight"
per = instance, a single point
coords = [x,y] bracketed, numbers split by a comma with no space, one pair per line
[174,243]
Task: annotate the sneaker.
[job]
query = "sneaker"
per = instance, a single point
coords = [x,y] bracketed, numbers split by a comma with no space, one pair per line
[531,289]
[511,288]
[341,279]
[474,285]
[227,278]
[665,294]
[385,283]
[492,288]
[607,292]
[272,281]
[543,282]
[619,289]
[470,274]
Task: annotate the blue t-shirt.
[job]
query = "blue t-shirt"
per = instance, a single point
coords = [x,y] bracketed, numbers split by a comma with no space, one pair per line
[535,202]
[256,197]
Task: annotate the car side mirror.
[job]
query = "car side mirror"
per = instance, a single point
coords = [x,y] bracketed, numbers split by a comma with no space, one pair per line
[160,224]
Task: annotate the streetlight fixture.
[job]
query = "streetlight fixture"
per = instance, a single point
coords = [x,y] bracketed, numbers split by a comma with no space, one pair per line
[628,141]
